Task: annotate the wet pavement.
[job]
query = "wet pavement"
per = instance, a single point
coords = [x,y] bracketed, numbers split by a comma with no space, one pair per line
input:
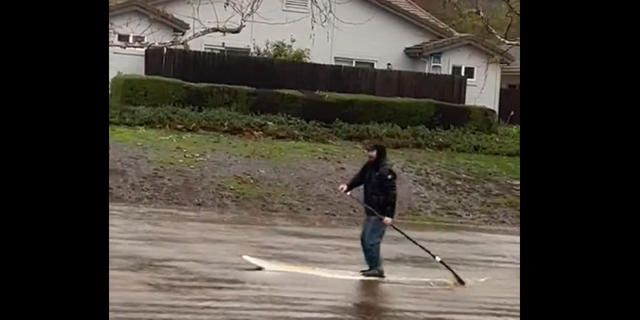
[183,266]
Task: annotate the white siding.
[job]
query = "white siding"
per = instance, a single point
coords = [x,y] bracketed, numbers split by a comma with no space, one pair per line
[484,91]
[372,33]
[127,61]
[139,24]
[365,31]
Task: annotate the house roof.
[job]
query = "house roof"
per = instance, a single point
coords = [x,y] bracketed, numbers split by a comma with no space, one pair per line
[514,67]
[428,47]
[405,9]
[117,7]
[411,12]
[150,2]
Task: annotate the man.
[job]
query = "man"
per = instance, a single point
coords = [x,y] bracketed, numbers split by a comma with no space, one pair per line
[380,194]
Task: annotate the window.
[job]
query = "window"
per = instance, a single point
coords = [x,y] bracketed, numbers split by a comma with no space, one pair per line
[436,59]
[435,63]
[130,38]
[231,51]
[212,48]
[343,62]
[238,51]
[137,39]
[354,63]
[467,71]
[123,37]
[295,5]
[365,64]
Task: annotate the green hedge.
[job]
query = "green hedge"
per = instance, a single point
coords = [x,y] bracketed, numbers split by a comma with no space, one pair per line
[150,91]
[506,142]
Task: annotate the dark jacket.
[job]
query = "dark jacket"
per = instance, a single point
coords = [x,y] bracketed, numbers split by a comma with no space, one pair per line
[379,182]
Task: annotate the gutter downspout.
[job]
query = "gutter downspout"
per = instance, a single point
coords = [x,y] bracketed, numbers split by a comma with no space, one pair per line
[496,91]
[333,29]
[426,64]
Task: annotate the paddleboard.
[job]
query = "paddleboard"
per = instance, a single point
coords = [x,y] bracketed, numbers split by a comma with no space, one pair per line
[277,266]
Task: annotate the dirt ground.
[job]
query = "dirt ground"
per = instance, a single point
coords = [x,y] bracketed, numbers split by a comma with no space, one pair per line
[253,187]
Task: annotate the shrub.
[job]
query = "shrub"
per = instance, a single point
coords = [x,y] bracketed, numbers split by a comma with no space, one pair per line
[157,91]
[283,50]
[311,106]
[505,142]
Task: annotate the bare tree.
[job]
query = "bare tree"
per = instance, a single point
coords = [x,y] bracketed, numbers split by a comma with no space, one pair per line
[474,9]
[234,19]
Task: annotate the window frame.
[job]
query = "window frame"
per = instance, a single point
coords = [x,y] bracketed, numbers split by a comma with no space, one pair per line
[432,65]
[225,49]
[130,40]
[144,38]
[353,62]
[434,56]
[462,69]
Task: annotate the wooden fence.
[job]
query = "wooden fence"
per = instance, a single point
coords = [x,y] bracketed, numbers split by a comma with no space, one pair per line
[208,67]
[510,105]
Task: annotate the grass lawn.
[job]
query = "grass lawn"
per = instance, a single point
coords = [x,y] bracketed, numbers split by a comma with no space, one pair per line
[179,148]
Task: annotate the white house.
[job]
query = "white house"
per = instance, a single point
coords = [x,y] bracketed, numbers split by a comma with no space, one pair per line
[361,33]
[511,72]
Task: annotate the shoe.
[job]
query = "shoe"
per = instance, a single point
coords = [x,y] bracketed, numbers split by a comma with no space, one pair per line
[365,270]
[377,273]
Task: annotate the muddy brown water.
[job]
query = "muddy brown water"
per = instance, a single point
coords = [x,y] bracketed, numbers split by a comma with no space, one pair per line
[180,266]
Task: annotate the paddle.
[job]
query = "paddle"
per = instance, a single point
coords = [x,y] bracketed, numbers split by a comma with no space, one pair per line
[437,258]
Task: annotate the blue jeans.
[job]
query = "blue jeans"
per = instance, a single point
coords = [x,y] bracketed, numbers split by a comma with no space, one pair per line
[372,233]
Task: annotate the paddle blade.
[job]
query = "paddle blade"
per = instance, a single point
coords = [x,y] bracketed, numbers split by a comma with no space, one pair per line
[459,280]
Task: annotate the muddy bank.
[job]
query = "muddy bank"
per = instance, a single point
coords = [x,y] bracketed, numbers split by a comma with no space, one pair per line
[220,179]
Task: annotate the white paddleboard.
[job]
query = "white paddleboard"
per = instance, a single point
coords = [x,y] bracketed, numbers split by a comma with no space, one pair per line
[327,273]
[277,266]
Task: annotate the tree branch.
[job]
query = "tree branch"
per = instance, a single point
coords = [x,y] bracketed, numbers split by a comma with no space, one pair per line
[241,11]
[512,8]
[181,41]
[492,30]
[502,37]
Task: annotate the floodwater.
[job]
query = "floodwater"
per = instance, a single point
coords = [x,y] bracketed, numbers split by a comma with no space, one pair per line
[180,266]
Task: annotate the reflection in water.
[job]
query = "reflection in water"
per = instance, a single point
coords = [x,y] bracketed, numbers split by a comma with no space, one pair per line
[370,300]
